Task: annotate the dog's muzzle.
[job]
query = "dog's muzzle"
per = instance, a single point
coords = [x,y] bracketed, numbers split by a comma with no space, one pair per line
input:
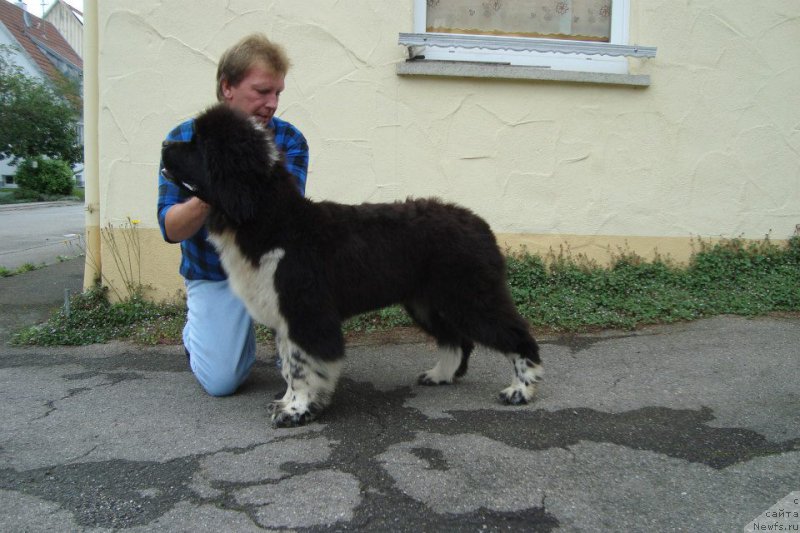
[188,186]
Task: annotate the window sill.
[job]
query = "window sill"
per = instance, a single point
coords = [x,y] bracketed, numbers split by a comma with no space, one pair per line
[465,69]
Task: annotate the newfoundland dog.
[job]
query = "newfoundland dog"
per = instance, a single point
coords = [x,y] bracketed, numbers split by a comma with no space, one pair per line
[302,267]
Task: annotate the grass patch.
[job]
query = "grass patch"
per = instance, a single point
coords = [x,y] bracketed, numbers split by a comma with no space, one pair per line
[93,319]
[731,277]
[572,294]
[27,267]
[559,292]
[390,317]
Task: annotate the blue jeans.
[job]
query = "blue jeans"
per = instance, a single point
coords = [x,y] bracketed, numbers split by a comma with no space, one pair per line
[219,336]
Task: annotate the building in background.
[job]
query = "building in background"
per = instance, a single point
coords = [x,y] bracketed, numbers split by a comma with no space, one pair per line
[43,53]
[69,23]
[596,145]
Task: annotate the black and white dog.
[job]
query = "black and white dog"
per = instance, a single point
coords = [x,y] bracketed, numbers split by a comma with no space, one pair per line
[302,267]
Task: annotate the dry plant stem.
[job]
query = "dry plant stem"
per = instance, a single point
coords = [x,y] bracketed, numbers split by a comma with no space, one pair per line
[127,256]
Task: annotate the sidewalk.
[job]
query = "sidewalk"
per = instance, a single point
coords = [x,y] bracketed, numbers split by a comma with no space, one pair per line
[29,205]
[690,427]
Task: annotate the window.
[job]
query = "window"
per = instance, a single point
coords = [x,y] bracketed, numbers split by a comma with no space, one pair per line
[577,35]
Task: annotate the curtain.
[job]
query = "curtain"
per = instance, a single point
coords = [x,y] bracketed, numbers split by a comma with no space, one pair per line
[583,20]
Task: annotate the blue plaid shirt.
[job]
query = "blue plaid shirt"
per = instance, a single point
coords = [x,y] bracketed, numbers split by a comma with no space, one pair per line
[199,259]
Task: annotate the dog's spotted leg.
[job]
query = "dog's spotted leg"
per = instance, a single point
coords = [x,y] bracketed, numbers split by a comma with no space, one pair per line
[451,364]
[310,385]
[523,386]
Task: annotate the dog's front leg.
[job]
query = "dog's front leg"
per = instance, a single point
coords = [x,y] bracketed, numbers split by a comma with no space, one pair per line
[310,383]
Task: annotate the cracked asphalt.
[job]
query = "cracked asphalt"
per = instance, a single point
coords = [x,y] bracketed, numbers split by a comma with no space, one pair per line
[688,427]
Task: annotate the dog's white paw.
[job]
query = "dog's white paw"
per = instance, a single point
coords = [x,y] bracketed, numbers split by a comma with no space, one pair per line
[431,377]
[518,394]
[287,415]
[444,372]
[523,387]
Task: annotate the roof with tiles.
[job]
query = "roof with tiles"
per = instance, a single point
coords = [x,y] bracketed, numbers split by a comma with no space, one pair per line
[34,34]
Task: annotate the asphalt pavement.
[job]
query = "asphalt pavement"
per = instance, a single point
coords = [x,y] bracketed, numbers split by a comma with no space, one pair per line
[688,427]
[30,298]
[40,232]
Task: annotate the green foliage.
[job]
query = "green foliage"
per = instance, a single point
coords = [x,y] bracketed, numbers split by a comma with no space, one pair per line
[94,319]
[45,176]
[731,277]
[566,293]
[559,293]
[19,195]
[39,119]
[27,267]
[390,317]
[27,195]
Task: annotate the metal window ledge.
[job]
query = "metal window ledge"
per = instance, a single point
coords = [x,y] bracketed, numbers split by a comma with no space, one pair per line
[522,44]
[468,69]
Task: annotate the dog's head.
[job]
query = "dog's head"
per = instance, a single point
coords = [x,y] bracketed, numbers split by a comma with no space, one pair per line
[226,163]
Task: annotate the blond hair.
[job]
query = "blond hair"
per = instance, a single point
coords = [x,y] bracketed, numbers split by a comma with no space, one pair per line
[239,58]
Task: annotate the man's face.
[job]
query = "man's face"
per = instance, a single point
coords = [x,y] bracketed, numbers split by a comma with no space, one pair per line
[257,94]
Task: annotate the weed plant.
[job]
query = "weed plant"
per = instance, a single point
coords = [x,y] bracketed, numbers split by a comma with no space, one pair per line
[93,319]
[561,293]
[27,267]
[126,251]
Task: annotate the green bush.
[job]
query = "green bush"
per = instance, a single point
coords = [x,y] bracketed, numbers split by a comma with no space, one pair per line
[45,176]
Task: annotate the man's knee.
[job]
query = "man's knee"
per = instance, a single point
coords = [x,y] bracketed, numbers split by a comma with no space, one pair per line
[219,384]
[218,380]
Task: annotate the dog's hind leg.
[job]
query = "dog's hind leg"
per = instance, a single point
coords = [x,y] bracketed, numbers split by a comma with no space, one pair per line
[528,371]
[310,384]
[454,349]
[512,338]
[507,332]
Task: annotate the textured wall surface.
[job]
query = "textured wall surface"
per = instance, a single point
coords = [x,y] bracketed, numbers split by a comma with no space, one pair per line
[711,148]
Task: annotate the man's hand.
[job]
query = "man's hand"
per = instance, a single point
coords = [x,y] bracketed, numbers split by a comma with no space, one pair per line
[184,220]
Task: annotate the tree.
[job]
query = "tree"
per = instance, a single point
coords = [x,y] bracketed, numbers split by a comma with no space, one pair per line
[36,118]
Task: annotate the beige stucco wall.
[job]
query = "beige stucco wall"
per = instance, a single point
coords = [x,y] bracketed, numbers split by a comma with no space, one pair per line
[711,148]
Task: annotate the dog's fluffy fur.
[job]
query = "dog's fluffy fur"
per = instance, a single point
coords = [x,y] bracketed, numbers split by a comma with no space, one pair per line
[302,267]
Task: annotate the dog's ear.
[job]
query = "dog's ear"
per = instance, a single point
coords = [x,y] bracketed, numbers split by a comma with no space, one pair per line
[235,170]
[239,156]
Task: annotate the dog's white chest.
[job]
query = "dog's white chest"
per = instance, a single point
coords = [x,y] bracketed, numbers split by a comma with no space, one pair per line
[254,285]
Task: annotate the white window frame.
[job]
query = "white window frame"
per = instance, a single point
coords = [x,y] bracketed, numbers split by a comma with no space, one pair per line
[555,54]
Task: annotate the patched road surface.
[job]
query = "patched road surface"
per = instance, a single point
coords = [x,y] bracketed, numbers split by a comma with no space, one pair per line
[40,233]
[690,427]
